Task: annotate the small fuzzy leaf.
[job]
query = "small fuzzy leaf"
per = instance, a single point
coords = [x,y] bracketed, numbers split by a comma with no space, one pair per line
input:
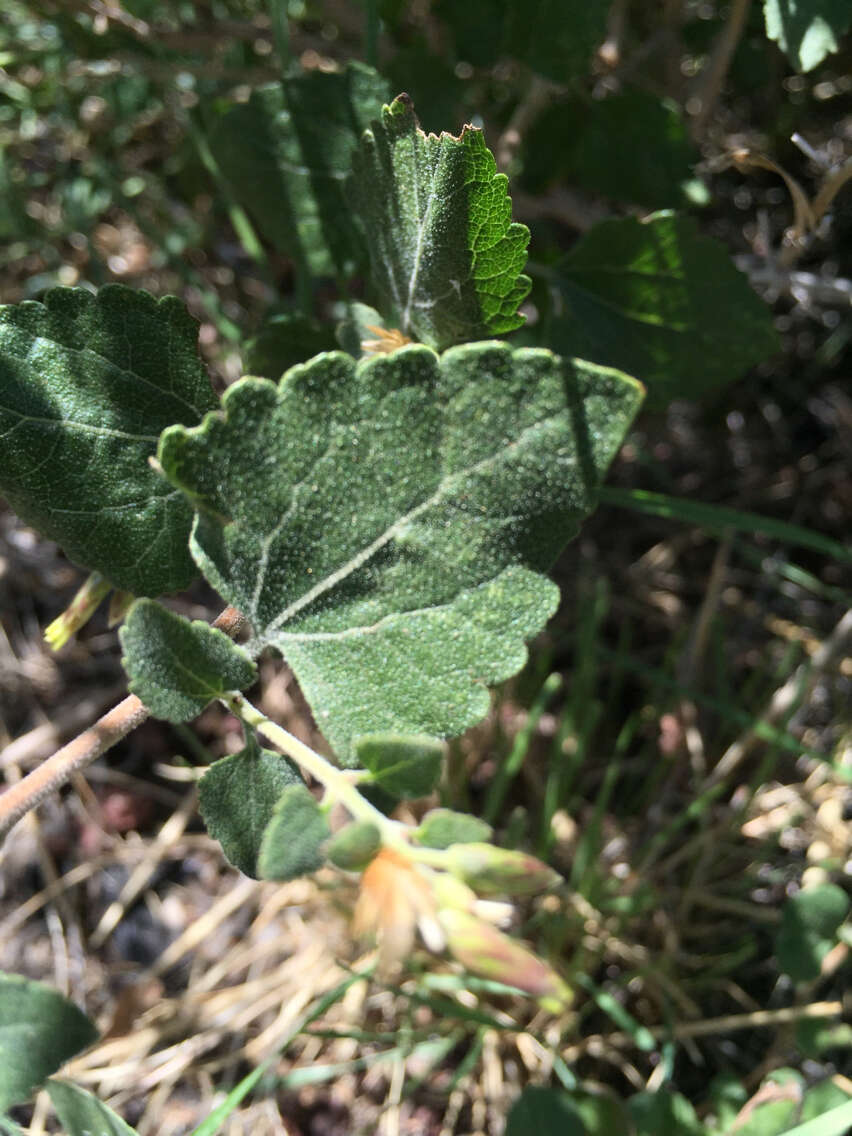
[87,384]
[809,923]
[354,846]
[807,30]
[82,1114]
[381,521]
[664,303]
[402,766]
[287,154]
[292,843]
[39,1031]
[237,798]
[541,1112]
[445,253]
[442,827]
[177,667]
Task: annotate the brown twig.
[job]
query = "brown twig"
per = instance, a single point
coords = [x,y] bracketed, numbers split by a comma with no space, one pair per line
[712,77]
[117,723]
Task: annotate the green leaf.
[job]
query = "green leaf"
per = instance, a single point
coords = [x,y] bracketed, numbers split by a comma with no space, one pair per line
[557,38]
[39,1031]
[82,1114]
[354,846]
[809,923]
[403,766]
[807,30]
[292,843]
[287,153]
[664,303]
[283,341]
[540,1112]
[442,827]
[386,521]
[630,146]
[237,798]
[177,667]
[664,1113]
[87,384]
[445,253]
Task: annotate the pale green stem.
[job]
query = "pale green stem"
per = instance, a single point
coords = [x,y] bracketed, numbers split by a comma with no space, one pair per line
[337,783]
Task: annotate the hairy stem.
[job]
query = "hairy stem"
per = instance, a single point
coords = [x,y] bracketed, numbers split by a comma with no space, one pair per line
[339,786]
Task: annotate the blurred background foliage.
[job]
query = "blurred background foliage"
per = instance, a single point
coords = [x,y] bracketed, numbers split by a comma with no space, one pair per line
[680,743]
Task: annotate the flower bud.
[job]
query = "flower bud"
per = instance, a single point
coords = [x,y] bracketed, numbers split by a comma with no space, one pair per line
[499,871]
[485,951]
[354,846]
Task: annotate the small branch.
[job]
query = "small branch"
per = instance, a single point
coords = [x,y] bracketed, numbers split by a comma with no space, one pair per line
[84,749]
[712,77]
[536,99]
[339,785]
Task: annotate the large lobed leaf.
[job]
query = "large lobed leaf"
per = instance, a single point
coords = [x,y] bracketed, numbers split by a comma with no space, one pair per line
[87,384]
[384,525]
[445,252]
[286,154]
[82,1114]
[664,303]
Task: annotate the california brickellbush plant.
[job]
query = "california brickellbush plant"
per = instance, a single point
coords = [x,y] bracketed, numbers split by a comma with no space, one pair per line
[383,516]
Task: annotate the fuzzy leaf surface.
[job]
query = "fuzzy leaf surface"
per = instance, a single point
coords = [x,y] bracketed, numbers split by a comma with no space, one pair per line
[82,1114]
[444,250]
[39,1031]
[237,798]
[384,525]
[87,384]
[441,828]
[287,154]
[176,666]
[664,303]
[807,30]
[403,766]
[293,842]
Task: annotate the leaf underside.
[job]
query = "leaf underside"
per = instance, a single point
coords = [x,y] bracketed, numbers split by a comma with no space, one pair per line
[445,253]
[385,525]
[87,384]
[664,303]
[176,667]
[287,153]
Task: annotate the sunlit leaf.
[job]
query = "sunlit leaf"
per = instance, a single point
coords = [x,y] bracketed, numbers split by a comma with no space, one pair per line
[385,525]
[664,303]
[445,253]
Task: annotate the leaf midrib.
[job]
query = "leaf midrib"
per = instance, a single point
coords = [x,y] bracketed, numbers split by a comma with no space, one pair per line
[444,489]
